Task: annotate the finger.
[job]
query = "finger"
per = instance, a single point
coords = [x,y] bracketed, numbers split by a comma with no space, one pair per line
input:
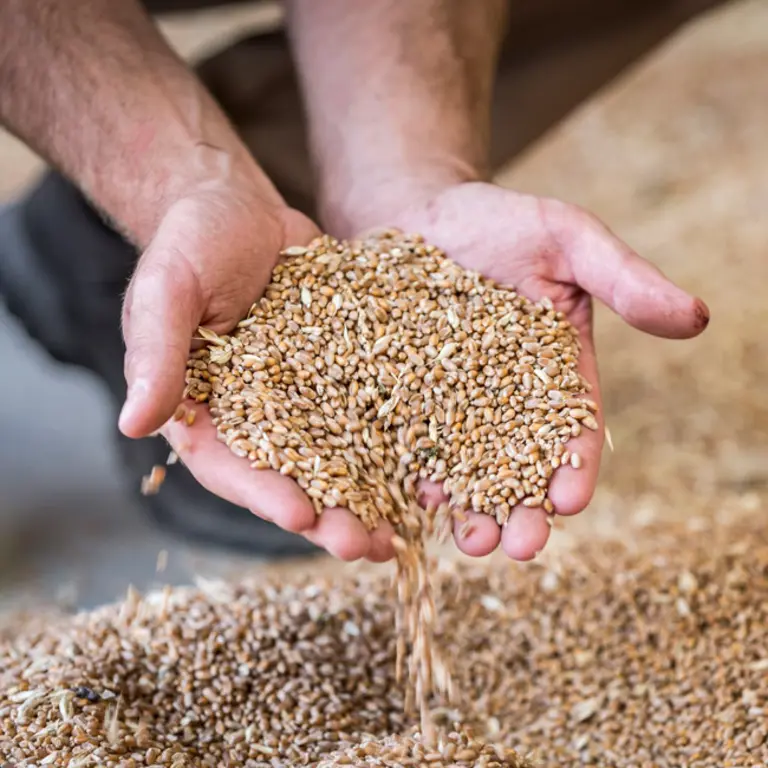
[525,534]
[431,494]
[267,494]
[635,289]
[381,548]
[479,536]
[571,490]
[340,533]
[161,311]
[527,531]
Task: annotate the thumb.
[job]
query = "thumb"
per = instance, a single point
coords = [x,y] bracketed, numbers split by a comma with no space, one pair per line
[162,309]
[635,289]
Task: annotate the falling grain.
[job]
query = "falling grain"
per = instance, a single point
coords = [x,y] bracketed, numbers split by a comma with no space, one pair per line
[151,483]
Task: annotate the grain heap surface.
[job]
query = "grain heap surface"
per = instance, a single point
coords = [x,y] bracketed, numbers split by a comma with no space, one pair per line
[654,657]
[650,656]
[455,749]
[236,676]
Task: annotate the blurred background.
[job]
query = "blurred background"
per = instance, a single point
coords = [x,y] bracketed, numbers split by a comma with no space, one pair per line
[672,154]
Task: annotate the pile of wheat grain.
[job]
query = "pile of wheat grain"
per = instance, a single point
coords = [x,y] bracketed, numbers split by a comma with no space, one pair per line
[235,676]
[651,656]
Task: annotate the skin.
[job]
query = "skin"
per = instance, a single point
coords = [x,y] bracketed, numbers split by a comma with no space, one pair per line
[92,86]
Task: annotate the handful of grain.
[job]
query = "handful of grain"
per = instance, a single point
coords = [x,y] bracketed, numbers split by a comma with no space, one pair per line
[369,367]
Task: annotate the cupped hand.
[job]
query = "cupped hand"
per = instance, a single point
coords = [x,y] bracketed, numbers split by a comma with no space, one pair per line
[210,259]
[544,247]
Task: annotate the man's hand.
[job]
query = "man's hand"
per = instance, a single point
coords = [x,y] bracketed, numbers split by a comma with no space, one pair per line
[211,258]
[544,247]
[411,153]
[94,88]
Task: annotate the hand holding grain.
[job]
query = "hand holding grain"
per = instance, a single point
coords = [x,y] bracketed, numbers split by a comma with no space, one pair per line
[545,247]
[210,259]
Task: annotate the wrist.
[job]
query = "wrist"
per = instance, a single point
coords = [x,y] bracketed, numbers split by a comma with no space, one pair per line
[158,168]
[379,195]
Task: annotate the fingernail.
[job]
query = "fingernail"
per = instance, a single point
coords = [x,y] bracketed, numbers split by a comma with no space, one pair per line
[701,311]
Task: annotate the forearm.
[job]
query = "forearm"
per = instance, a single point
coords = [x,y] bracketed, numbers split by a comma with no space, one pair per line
[398,95]
[92,86]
